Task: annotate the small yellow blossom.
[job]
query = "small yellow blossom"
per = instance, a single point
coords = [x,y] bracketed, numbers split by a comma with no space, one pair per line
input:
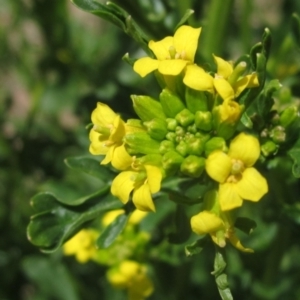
[107,137]
[143,183]
[173,53]
[235,173]
[216,223]
[132,276]
[135,218]
[82,245]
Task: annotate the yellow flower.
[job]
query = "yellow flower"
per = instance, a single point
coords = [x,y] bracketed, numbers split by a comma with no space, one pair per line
[132,276]
[238,179]
[82,245]
[143,183]
[135,218]
[172,53]
[107,137]
[216,223]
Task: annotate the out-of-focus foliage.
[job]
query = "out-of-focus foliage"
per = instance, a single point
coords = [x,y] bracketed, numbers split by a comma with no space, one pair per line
[56,63]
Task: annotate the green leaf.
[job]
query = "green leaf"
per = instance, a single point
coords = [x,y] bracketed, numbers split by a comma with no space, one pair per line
[196,247]
[182,199]
[55,222]
[266,42]
[112,231]
[245,119]
[185,17]
[293,212]
[294,153]
[296,28]
[245,224]
[89,166]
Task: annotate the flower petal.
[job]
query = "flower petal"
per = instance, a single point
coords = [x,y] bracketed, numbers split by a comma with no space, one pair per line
[121,160]
[103,115]
[171,66]
[246,148]
[145,65]
[154,177]
[123,184]
[97,145]
[186,41]
[197,79]
[118,131]
[142,198]
[252,186]
[161,49]
[109,155]
[206,222]
[218,166]
[229,196]
[224,68]
[248,81]
[237,244]
[224,89]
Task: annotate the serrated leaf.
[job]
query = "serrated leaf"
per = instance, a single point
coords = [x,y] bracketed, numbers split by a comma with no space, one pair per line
[185,17]
[245,224]
[196,247]
[112,231]
[257,48]
[89,166]
[56,222]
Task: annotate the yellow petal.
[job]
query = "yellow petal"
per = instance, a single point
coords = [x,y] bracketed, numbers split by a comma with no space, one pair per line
[142,198]
[252,186]
[246,148]
[186,41]
[109,155]
[123,184]
[118,130]
[229,196]
[224,68]
[97,146]
[103,115]
[245,82]
[110,216]
[161,48]
[218,166]
[171,66]
[137,216]
[145,65]
[154,177]
[229,112]
[121,160]
[237,244]
[206,222]
[224,89]
[197,79]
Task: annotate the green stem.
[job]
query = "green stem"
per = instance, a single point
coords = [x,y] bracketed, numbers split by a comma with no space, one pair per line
[215,31]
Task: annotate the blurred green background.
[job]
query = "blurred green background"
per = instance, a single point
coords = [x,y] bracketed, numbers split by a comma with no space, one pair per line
[56,63]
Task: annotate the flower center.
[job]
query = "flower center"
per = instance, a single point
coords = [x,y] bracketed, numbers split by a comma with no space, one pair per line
[176,55]
[237,167]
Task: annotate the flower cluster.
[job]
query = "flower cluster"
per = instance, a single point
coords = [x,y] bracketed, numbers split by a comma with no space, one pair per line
[190,130]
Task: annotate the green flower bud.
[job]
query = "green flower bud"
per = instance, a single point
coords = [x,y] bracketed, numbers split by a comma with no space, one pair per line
[166,146]
[150,159]
[269,148]
[182,148]
[195,145]
[171,103]
[141,142]
[203,120]
[171,136]
[171,161]
[147,108]
[157,128]
[215,143]
[192,128]
[288,116]
[237,72]
[196,100]
[171,124]
[278,134]
[192,166]
[185,117]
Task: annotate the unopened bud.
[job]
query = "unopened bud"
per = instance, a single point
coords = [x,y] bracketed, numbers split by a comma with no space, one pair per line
[237,72]
[288,116]
[269,148]
[278,134]
[215,143]
[182,148]
[171,124]
[166,146]
[141,142]
[203,120]
[195,145]
[157,128]
[171,103]
[192,166]
[185,117]
[171,161]
[195,100]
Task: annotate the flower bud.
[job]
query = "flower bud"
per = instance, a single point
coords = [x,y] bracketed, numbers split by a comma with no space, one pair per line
[141,142]
[171,124]
[288,116]
[147,108]
[150,159]
[269,148]
[203,120]
[237,72]
[192,166]
[195,145]
[157,128]
[215,143]
[182,148]
[171,103]
[278,134]
[185,117]
[195,100]
[166,146]
[171,161]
